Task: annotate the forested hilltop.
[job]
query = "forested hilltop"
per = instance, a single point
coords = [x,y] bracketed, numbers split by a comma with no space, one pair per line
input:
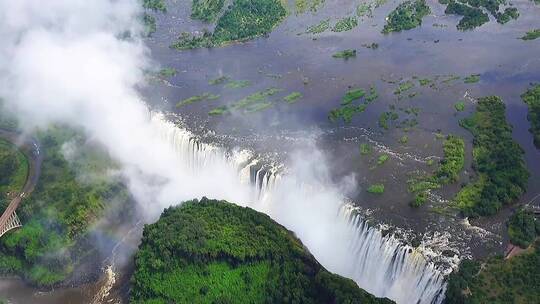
[211,251]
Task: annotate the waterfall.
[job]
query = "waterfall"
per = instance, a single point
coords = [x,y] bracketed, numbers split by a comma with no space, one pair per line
[338,236]
[384,266]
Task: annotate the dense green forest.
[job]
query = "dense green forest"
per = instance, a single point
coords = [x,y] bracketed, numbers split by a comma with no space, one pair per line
[473,12]
[243,20]
[532,99]
[206,10]
[497,281]
[69,197]
[406,16]
[211,251]
[523,228]
[497,159]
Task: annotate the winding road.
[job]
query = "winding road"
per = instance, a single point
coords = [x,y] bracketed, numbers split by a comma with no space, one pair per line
[29,146]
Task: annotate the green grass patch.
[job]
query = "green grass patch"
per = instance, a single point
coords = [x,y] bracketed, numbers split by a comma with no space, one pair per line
[531,35]
[459,106]
[237,84]
[218,80]
[497,158]
[345,54]
[376,189]
[293,97]
[320,27]
[386,117]
[404,139]
[403,87]
[255,102]
[197,98]
[382,159]
[406,16]
[532,98]
[353,103]
[345,24]
[167,72]
[365,149]
[474,78]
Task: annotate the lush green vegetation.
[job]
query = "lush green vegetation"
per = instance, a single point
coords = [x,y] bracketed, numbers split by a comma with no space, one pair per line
[531,35]
[149,23]
[13,171]
[255,102]
[403,87]
[319,27]
[206,10]
[460,106]
[376,189]
[385,117]
[237,84]
[532,99]
[167,72]
[243,20]
[58,214]
[473,14]
[293,97]
[218,80]
[345,24]
[523,228]
[302,6]
[156,5]
[474,78]
[364,9]
[345,54]
[406,16]
[496,280]
[382,159]
[197,98]
[354,102]
[447,172]
[365,149]
[498,160]
[214,252]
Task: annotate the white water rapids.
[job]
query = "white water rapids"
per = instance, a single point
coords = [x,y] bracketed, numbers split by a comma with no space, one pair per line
[336,235]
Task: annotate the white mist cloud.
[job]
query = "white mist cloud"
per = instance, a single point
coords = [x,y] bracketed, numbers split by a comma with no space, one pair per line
[63,62]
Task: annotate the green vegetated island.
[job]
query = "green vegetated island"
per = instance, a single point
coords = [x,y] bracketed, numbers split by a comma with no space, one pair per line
[58,214]
[532,99]
[406,16]
[473,14]
[242,20]
[497,159]
[212,251]
[354,102]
